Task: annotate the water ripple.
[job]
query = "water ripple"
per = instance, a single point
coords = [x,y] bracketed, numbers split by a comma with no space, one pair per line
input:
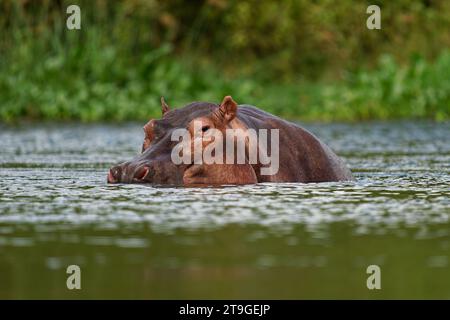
[56,176]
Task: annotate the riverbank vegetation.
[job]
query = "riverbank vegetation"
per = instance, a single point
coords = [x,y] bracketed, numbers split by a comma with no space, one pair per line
[298,59]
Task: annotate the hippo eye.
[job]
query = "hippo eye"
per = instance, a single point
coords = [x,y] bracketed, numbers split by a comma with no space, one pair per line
[205,128]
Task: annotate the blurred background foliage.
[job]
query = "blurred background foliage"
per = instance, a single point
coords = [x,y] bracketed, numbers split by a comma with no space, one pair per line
[308,60]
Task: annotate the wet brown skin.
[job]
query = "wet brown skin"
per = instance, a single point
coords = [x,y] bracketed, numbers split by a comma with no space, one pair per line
[302,156]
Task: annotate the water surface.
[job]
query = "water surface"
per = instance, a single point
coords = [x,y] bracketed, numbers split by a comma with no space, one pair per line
[262,241]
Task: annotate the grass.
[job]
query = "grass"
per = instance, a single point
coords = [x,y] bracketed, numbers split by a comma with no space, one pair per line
[93,81]
[309,61]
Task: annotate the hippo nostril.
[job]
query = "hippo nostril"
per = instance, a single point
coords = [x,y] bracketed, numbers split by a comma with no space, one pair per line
[114,175]
[142,173]
[111,178]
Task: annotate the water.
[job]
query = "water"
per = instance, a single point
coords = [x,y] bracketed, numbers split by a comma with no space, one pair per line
[265,241]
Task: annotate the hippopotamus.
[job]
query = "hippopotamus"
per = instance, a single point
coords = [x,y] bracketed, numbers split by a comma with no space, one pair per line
[301,156]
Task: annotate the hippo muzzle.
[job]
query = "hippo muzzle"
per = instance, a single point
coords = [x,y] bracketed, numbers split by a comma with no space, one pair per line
[146,171]
[127,173]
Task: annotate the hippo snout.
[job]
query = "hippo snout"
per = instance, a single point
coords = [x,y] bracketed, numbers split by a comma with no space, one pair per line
[125,173]
[115,174]
[141,173]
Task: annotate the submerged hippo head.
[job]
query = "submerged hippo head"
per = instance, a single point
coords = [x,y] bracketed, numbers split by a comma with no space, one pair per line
[155,164]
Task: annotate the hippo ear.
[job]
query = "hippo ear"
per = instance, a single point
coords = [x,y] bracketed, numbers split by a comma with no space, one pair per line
[164,106]
[228,108]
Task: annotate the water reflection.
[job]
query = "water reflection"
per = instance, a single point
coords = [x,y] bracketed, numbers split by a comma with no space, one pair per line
[269,240]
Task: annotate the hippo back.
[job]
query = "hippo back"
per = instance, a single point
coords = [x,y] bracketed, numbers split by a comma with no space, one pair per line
[302,156]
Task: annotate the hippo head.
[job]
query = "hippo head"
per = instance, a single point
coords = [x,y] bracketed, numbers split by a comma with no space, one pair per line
[155,164]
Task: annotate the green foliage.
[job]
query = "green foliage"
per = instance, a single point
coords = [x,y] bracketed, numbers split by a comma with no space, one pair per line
[418,89]
[299,59]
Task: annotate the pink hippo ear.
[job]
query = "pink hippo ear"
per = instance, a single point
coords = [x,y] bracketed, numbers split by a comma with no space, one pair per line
[164,106]
[228,108]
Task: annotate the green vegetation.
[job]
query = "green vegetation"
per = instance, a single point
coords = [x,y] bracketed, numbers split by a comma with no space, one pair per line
[302,60]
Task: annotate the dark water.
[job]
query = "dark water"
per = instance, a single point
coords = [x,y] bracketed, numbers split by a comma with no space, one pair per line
[263,241]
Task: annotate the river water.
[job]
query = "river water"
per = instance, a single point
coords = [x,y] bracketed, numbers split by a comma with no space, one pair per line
[262,241]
